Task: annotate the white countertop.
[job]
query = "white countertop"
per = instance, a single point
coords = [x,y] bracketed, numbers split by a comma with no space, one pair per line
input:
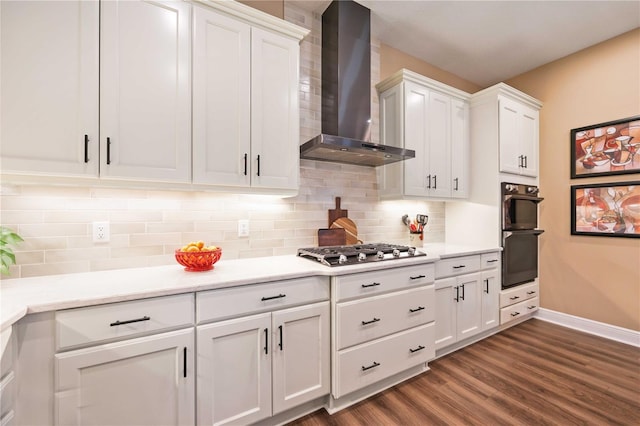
[22,296]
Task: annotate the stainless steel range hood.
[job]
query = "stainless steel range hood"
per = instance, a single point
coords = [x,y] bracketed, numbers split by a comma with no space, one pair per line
[346,92]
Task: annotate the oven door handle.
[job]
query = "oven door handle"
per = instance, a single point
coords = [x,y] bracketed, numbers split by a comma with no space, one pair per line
[534,198]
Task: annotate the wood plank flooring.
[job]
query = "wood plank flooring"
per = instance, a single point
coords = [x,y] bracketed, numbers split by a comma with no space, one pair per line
[536,373]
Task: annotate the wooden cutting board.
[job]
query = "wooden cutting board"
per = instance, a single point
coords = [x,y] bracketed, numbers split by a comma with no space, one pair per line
[350,228]
[332,237]
[336,213]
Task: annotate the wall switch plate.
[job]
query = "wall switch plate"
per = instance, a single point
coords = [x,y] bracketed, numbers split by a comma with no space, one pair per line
[100,232]
[243,228]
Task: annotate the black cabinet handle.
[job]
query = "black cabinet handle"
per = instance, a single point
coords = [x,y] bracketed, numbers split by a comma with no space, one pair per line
[280,330]
[531,307]
[429,184]
[520,161]
[144,318]
[375,364]
[514,298]
[492,260]
[419,308]
[435,182]
[531,292]
[526,162]
[459,266]
[487,286]
[457,299]
[280,296]
[417,277]
[370,285]
[266,341]
[184,362]
[462,297]
[86,148]
[515,314]
[258,164]
[455,181]
[245,163]
[419,348]
[371,322]
[108,150]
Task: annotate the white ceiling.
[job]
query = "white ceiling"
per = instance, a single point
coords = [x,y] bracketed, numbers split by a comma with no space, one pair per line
[486,42]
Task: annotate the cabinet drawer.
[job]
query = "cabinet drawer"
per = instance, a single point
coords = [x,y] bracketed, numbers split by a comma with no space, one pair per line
[513,312]
[215,305]
[457,266]
[362,320]
[94,324]
[383,281]
[490,260]
[370,362]
[518,294]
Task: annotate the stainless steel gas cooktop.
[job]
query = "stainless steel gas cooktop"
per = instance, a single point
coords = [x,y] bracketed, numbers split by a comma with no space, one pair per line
[358,253]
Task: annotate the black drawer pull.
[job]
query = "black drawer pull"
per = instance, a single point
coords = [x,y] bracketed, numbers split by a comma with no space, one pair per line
[531,292]
[245,163]
[370,285]
[419,308]
[266,341]
[280,330]
[531,307]
[459,266]
[258,174]
[492,260]
[184,362]
[86,148]
[375,364]
[418,277]
[515,314]
[280,296]
[144,318]
[462,287]
[419,348]
[108,150]
[514,298]
[371,322]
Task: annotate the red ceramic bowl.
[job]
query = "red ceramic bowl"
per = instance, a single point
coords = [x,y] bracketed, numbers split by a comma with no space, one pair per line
[197,261]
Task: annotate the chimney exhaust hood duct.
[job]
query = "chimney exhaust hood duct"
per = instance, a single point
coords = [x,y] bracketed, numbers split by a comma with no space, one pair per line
[346,92]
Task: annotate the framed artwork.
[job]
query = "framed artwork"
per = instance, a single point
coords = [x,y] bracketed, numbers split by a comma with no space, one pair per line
[606,149]
[608,209]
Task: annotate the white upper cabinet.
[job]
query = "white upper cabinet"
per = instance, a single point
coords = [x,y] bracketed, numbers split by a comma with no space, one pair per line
[49,86]
[519,127]
[432,119]
[245,102]
[145,90]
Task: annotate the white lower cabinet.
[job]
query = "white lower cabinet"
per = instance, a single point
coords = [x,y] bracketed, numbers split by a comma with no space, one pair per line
[144,381]
[382,325]
[466,304]
[256,366]
[7,377]
[517,302]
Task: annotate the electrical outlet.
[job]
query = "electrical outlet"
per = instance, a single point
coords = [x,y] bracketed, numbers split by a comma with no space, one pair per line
[100,232]
[243,228]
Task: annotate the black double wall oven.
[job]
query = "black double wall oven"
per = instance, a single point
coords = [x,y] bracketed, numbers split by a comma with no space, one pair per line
[519,234]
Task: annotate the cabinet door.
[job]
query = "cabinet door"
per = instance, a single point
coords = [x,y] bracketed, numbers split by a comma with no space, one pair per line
[301,348]
[49,80]
[145,90]
[529,128]
[390,177]
[145,381]
[446,312]
[275,126]
[221,99]
[490,298]
[416,137]
[469,306]
[234,371]
[439,174]
[460,149]
[509,135]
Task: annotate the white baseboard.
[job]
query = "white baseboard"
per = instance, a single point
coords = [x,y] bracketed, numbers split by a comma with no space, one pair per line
[612,332]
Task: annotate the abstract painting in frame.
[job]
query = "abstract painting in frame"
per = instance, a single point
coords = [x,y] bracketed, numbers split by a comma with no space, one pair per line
[606,149]
[607,209]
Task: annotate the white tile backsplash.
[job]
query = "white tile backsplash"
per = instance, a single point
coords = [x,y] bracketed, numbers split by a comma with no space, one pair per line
[147,226]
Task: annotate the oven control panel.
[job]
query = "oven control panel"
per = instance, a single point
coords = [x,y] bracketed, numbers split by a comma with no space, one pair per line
[515,188]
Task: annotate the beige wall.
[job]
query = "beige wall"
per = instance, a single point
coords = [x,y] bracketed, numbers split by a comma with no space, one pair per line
[591,277]
[272,7]
[391,60]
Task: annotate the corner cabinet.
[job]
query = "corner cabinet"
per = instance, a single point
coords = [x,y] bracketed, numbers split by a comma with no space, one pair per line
[433,120]
[510,119]
[245,101]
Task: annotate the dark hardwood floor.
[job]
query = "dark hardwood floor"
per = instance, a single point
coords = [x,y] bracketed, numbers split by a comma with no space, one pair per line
[536,373]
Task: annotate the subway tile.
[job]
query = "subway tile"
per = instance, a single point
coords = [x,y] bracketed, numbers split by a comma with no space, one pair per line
[56,268]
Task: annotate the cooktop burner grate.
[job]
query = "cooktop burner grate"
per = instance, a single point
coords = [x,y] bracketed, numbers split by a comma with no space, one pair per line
[358,253]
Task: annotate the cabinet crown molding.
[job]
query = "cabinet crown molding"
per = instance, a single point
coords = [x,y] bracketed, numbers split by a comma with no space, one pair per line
[255,17]
[506,90]
[408,75]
